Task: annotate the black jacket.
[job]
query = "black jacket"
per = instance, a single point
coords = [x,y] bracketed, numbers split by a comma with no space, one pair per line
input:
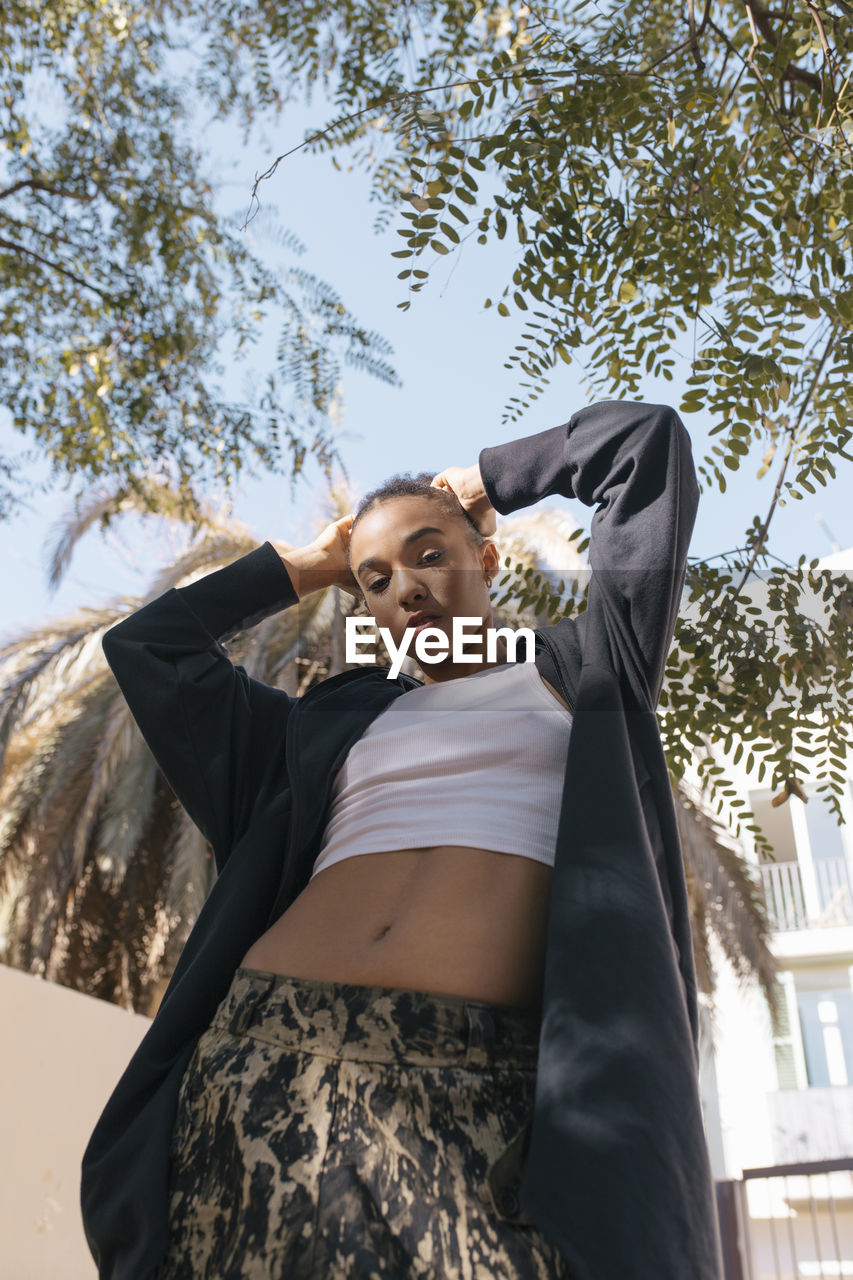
[615,1168]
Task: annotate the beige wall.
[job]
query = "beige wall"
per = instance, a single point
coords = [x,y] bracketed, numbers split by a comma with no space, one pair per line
[62,1054]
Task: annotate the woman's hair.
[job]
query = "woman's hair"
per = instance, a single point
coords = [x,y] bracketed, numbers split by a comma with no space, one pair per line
[405,485]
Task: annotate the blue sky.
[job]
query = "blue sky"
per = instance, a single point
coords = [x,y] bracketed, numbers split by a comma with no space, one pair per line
[449,352]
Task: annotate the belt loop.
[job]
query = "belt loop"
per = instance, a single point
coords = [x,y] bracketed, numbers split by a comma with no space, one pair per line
[481,1036]
[243,1016]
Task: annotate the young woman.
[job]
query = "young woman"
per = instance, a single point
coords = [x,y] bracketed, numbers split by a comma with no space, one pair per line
[437,1017]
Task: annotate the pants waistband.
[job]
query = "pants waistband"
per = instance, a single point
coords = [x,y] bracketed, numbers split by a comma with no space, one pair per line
[380,1024]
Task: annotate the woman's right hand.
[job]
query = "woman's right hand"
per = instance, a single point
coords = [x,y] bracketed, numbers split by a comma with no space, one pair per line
[323,562]
[332,543]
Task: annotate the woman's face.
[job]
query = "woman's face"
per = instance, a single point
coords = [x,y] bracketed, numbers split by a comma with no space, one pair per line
[408,557]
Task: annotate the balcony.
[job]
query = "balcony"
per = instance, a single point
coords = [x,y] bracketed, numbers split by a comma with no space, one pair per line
[792,903]
[811,1124]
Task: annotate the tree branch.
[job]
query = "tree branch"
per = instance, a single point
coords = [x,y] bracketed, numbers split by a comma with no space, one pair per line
[57,266]
[514,71]
[694,36]
[52,236]
[757,548]
[761,18]
[35,185]
[768,97]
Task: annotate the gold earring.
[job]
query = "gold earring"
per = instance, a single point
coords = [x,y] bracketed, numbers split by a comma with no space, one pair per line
[488,581]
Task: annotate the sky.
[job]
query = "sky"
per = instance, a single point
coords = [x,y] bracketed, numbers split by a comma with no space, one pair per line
[449,352]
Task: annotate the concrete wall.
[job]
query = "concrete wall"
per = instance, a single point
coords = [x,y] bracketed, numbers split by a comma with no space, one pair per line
[62,1055]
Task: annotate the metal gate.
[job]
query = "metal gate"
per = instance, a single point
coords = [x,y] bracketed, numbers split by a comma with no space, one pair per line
[788,1222]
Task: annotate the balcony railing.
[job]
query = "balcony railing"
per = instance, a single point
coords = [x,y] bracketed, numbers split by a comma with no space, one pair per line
[786,900]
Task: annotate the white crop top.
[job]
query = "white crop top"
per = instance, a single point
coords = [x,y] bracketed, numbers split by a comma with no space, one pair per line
[477,761]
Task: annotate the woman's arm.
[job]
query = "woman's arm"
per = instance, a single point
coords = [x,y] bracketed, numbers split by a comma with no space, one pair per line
[634,461]
[214,730]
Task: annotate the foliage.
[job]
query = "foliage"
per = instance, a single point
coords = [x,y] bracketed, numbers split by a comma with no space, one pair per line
[102,874]
[761,670]
[680,186]
[123,284]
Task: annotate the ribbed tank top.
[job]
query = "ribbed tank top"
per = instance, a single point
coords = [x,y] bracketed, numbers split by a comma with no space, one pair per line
[477,761]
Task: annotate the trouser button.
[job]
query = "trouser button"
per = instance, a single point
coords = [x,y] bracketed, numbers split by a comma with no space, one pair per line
[509,1203]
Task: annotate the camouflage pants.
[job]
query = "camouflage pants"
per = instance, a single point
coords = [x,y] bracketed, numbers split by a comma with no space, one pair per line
[333,1131]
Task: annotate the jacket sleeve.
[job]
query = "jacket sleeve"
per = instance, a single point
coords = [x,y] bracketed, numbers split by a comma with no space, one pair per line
[634,463]
[215,731]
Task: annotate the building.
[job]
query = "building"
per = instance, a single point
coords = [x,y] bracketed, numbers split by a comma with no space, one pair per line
[778,1092]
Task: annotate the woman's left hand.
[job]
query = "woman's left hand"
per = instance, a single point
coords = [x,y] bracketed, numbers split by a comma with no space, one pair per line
[467,484]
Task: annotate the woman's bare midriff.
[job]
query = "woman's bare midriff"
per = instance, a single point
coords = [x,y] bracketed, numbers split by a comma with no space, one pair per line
[444,918]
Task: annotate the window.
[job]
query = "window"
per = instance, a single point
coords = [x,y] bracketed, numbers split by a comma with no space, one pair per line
[783,1041]
[775,825]
[826,1017]
[828,845]
[826,837]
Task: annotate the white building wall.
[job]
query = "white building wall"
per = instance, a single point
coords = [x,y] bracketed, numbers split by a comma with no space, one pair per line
[745,1070]
[62,1055]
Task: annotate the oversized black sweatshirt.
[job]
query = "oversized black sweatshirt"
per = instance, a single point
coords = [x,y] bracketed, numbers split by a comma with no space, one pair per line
[614,1166]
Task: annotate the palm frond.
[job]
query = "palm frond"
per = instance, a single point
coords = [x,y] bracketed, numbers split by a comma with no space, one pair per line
[96,505]
[116,741]
[125,811]
[191,871]
[35,665]
[212,552]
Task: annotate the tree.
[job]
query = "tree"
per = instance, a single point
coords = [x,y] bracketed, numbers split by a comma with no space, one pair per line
[679,179]
[123,283]
[679,182]
[102,874]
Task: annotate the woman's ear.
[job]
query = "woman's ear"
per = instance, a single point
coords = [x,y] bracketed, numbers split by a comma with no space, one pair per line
[491,558]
